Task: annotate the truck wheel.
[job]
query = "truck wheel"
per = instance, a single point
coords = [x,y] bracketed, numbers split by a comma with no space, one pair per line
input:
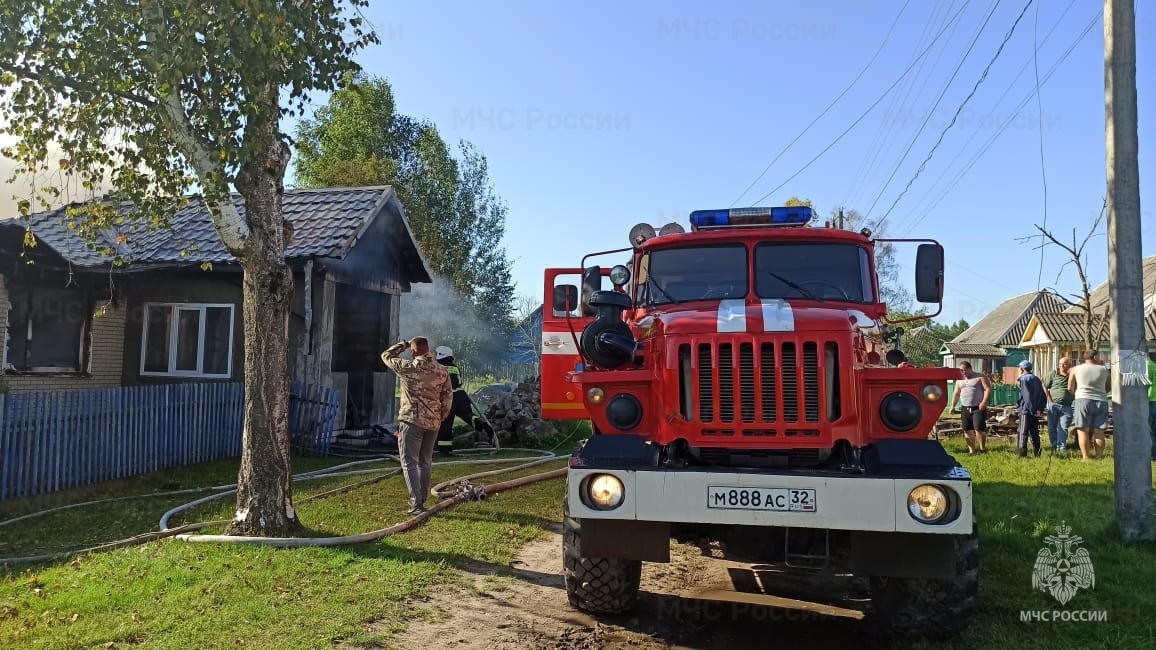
[597,585]
[930,608]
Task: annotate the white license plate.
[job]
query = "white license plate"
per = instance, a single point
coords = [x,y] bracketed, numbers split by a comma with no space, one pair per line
[774,499]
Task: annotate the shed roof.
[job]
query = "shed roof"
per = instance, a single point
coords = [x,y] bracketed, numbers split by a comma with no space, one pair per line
[1005,325]
[974,350]
[326,223]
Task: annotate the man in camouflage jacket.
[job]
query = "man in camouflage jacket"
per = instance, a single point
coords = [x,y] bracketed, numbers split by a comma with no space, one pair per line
[426,398]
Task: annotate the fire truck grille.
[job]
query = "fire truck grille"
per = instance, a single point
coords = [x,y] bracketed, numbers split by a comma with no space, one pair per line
[785,383]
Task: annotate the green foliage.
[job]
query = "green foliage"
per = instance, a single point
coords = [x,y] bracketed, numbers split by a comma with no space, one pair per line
[923,337]
[153,101]
[359,138]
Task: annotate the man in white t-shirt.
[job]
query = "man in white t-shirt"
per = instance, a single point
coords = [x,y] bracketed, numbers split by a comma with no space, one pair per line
[1090,382]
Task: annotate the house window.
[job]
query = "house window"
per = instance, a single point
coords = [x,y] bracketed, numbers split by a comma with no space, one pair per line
[47,329]
[186,340]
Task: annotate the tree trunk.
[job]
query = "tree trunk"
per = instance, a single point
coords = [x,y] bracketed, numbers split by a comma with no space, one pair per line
[264,485]
[264,490]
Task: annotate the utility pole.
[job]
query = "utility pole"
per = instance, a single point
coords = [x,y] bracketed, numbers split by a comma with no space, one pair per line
[840,218]
[1125,275]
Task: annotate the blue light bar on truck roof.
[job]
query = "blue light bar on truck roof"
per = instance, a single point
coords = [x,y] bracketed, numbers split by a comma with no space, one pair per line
[795,215]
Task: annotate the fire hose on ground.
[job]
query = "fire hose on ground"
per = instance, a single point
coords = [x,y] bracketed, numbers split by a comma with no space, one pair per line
[451,492]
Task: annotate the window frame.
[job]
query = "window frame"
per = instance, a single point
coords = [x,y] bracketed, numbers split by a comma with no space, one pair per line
[866,271]
[173,334]
[28,335]
[645,295]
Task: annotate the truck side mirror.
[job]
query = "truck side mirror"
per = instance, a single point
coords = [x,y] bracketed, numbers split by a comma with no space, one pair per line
[565,298]
[929,273]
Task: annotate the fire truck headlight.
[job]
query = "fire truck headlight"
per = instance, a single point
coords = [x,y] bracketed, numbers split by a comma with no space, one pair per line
[900,412]
[932,393]
[928,504]
[604,492]
[624,412]
[619,275]
[595,395]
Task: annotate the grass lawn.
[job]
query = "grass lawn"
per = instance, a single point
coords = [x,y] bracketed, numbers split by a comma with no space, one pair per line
[173,594]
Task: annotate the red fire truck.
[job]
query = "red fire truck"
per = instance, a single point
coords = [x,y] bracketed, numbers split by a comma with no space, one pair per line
[744,386]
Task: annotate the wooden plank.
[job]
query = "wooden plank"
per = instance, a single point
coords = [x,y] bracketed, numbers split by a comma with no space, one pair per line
[37,448]
[77,453]
[115,414]
[5,470]
[7,462]
[14,413]
[202,405]
[20,446]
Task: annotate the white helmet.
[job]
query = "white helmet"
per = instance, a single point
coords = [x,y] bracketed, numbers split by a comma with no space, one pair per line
[442,352]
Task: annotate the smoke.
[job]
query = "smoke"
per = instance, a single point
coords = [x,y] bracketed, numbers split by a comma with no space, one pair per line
[445,317]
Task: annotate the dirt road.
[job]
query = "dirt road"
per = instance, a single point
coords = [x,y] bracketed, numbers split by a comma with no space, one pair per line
[679,608]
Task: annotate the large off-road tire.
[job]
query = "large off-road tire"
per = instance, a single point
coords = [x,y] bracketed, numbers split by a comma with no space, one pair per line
[926,608]
[597,585]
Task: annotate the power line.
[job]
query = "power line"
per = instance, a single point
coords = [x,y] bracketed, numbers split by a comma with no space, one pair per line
[886,148]
[1003,127]
[935,107]
[932,190]
[829,106]
[861,117]
[1040,111]
[885,126]
[954,118]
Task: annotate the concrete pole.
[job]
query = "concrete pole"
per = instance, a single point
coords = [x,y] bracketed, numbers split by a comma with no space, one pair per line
[1125,274]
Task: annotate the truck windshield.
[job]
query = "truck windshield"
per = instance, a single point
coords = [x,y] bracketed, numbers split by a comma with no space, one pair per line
[813,270]
[696,273]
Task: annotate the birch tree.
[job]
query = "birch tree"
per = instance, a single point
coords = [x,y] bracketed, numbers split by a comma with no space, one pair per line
[164,102]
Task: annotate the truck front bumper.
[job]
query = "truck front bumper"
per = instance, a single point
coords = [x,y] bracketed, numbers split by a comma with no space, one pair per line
[877,503]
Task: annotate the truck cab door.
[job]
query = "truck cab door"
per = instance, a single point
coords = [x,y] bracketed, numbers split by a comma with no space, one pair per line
[563,319]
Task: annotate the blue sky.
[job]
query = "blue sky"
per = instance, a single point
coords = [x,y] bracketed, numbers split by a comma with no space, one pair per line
[598,115]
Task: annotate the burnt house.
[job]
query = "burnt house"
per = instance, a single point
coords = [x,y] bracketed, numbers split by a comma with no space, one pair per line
[172,313]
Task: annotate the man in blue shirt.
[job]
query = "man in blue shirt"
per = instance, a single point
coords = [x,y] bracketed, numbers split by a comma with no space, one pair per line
[1032,405]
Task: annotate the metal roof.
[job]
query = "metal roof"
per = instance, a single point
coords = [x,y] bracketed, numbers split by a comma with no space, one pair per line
[1068,327]
[974,350]
[1005,325]
[326,223]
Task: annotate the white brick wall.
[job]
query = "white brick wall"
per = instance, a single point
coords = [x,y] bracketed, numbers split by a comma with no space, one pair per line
[106,354]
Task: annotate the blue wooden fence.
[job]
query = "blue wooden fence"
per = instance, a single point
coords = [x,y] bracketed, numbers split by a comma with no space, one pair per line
[59,440]
[312,414]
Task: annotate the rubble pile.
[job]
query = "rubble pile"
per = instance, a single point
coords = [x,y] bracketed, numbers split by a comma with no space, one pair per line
[517,414]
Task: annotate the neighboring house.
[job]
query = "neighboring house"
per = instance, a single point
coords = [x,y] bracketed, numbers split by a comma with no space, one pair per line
[1051,336]
[993,343]
[1055,335]
[72,320]
[526,341]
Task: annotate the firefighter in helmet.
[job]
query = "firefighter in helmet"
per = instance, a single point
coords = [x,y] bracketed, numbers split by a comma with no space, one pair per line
[462,408]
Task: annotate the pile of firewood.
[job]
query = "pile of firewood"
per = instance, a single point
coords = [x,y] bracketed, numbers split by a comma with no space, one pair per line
[517,415]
